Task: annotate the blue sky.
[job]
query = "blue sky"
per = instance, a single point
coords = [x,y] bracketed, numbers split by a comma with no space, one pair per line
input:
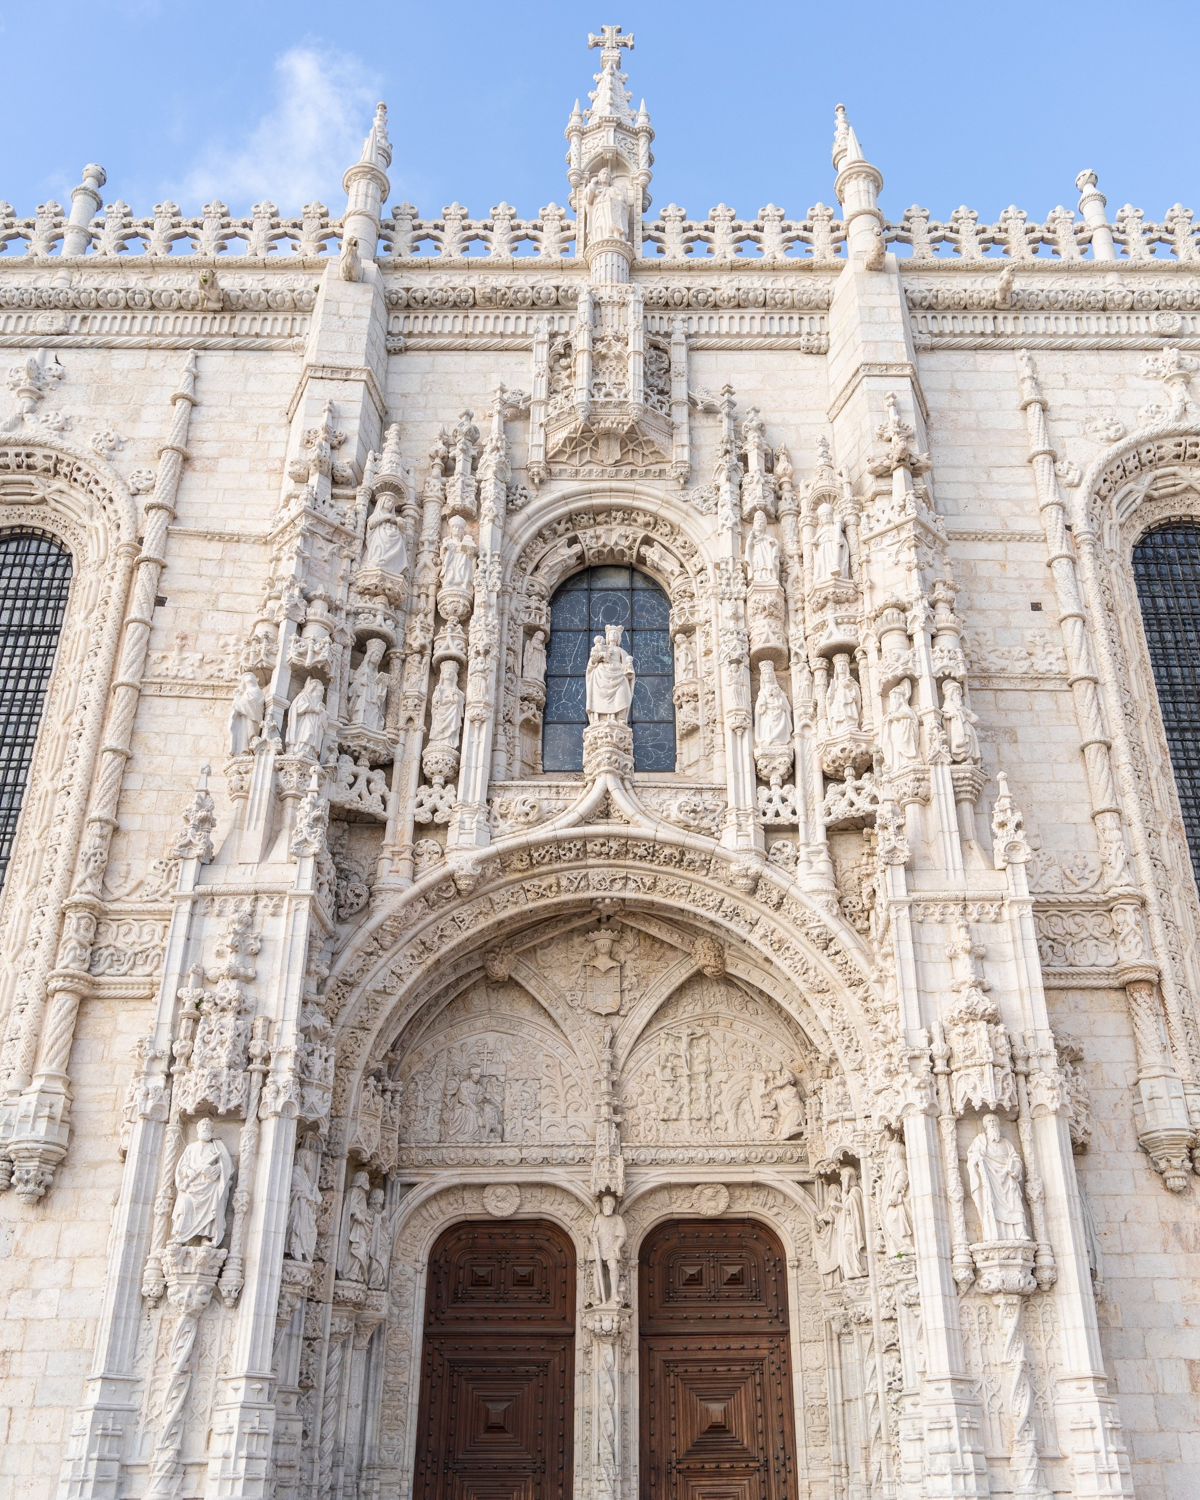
[983,104]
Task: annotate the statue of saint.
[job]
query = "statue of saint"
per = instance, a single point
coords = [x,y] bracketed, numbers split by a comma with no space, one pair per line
[608,1250]
[355,1264]
[368,689]
[832,553]
[609,679]
[762,552]
[843,699]
[960,723]
[385,539]
[246,714]
[895,1212]
[305,1203]
[789,1107]
[533,663]
[607,205]
[306,719]
[202,1179]
[997,1176]
[458,557]
[852,1228]
[378,1255]
[463,1118]
[826,1249]
[446,712]
[772,711]
[901,728]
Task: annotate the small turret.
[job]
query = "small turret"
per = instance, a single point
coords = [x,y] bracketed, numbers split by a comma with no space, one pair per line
[857,187]
[367,186]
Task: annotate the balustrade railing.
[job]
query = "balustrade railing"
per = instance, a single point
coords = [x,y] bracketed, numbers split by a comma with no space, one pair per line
[1062,237]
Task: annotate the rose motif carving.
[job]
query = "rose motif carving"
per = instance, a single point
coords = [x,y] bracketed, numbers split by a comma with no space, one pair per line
[711,1199]
[502,1199]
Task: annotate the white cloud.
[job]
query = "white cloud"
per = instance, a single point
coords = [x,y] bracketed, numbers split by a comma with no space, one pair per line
[300,147]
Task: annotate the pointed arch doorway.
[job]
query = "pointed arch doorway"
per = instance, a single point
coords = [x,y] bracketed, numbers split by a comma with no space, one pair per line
[717,1406]
[497,1407]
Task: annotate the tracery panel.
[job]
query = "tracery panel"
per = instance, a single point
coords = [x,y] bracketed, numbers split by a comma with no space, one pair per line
[35,580]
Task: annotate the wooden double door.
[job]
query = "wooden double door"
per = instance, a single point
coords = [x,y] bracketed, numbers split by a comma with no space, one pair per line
[717,1409]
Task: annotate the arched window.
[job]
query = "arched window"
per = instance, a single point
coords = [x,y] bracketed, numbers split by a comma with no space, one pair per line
[581,608]
[1166,568]
[35,578]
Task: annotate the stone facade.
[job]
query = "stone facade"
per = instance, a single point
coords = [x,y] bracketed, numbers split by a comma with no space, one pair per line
[292,968]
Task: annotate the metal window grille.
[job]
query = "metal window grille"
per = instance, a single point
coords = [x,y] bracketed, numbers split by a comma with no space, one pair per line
[580,609]
[1166,568]
[35,578]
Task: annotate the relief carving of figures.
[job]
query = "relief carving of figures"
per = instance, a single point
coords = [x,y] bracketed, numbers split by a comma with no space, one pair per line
[832,555]
[246,714]
[607,204]
[762,552]
[472,1112]
[960,723]
[446,714]
[355,1264]
[843,700]
[458,557]
[305,1202]
[386,548]
[368,689]
[997,1177]
[772,711]
[608,1251]
[901,729]
[306,720]
[893,1198]
[610,678]
[202,1180]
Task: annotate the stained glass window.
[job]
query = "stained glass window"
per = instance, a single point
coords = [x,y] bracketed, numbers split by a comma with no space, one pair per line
[581,608]
[35,578]
[1166,567]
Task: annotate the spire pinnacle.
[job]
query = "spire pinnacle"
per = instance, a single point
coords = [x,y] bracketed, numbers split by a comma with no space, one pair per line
[845,142]
[610,98]
[377,149]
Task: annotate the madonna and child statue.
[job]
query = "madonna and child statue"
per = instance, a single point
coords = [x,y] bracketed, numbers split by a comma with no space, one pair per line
[610,677]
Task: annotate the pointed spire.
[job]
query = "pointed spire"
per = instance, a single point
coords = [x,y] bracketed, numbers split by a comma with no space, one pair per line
[610,98]
[390,461]
[857,187]
[377,149]
[846,149]
[367,187]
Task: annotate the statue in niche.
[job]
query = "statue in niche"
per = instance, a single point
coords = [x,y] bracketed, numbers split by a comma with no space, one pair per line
[306,720]
[472,1114]
[377,1255]
[832,553]
[685,659]
[246,714]
[446,713]
[762,552]
[368,689]
[610,679]
[608,1250]
[355,1264]
[458,557]
[901,729]
[202,1179]
[843,699]
[997,1177]
[607,204]
[787,1106]
[533,663]
[305,1202]
[386,548]
[852,1228]
[826,1247]
[772,711]
[960,723]
[894,1209]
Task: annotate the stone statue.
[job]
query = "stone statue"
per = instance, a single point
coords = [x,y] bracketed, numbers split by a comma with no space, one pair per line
[368,689]
[852,1228]
[609,679]
[832,553]
[246,714]
[894,1210]
[378,1255]
[607,208]
[533,663]
[843,699]
[997,1177]
[608,1251]
[458,557]
[446,712]
[202,1179]
[355,1264]
[826,1249]
[901,729]
[762,552]
[960,723]
[685,659]
[471,1113]
[385,539]
[306,719]
[305,1204]
[772,711]
[789,1107]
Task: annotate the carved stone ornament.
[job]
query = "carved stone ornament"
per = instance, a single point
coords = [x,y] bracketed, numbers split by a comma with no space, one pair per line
[502,1199]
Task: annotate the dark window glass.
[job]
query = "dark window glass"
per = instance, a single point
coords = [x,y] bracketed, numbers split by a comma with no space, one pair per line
[1166,567]
[581,608]
[35,577]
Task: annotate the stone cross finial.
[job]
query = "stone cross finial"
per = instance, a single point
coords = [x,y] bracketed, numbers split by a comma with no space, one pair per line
[610,39]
